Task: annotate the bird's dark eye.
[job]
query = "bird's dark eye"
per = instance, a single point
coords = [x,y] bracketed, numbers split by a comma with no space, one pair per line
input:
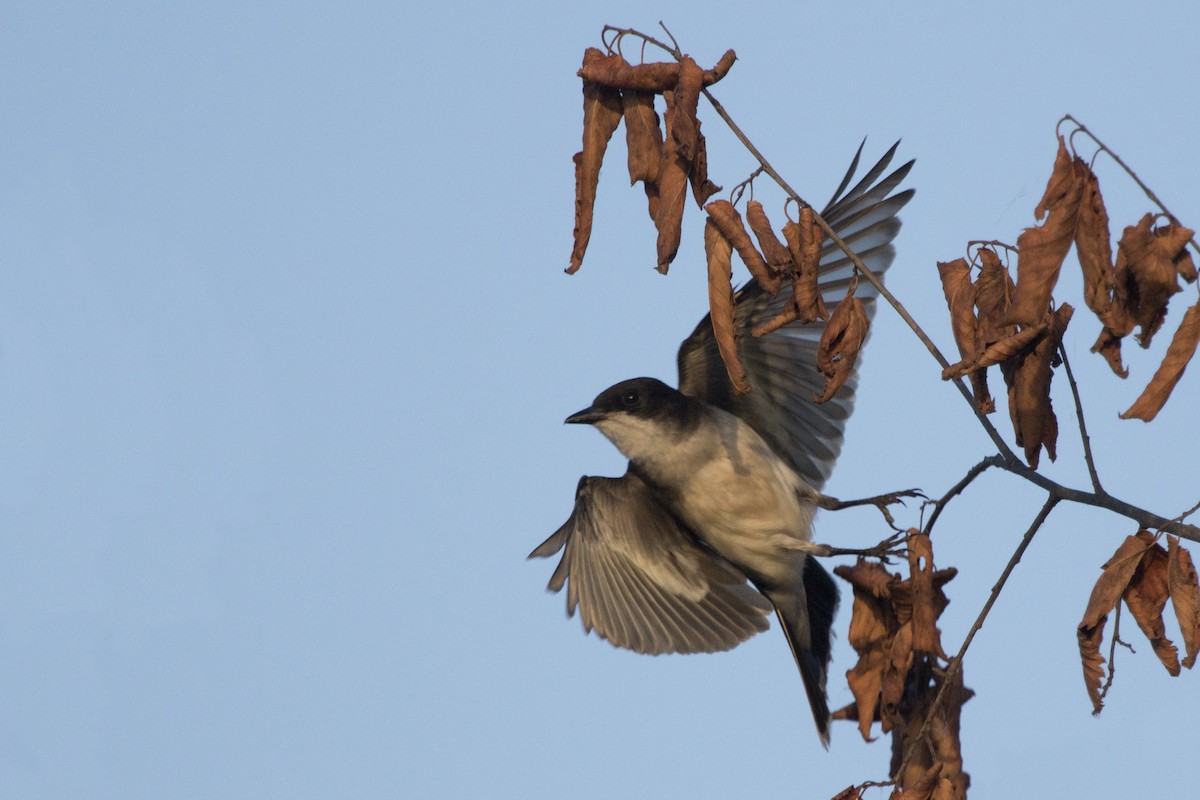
[630,398]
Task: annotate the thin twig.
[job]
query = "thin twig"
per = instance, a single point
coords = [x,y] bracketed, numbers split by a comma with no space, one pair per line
[956,490]
[1083,434]
[956,662]
[1188,513]
[1112,653]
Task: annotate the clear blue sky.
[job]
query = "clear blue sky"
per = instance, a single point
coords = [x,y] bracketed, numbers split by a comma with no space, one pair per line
[285,349]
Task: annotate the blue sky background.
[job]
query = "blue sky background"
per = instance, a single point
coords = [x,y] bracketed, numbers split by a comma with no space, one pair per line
[285,349]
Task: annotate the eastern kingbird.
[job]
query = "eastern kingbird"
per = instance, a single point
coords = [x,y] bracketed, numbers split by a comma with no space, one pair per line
[710,528]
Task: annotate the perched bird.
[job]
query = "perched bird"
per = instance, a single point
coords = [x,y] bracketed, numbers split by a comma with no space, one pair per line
[710,528]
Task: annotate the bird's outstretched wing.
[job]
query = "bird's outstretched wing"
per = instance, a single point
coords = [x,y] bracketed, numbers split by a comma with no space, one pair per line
[641,581]
[781,366]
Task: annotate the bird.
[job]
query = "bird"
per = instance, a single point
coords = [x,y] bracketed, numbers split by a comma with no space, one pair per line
[709,530]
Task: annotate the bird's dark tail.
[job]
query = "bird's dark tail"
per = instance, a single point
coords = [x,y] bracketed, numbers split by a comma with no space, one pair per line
[806,617]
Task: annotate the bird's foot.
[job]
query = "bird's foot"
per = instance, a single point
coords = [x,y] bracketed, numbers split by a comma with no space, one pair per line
[881,502]
[895,546]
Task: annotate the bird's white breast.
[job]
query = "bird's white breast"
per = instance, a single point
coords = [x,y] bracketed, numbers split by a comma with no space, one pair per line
[731,490]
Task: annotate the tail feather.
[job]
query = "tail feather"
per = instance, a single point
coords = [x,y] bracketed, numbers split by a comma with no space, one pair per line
[806,616]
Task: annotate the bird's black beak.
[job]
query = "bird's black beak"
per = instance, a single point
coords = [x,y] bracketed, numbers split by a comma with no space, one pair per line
[588,416]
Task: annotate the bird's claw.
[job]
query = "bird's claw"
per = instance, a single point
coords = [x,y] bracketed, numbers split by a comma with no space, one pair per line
[895,546]
[881,502]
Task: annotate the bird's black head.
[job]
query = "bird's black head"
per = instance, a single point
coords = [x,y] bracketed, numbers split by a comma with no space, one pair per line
[646,398]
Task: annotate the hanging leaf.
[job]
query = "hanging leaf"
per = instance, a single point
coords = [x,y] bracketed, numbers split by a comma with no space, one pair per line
[601,115]
[721,304]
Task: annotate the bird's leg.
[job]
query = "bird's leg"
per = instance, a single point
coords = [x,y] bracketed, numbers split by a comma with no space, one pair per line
[892,547]
[879,501]
[895,546]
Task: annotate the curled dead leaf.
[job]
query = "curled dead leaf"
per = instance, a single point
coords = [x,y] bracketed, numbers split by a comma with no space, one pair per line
[1108,345]
[774,252]
[960,300]
[1146,597]
[670,195]
[1185,597]
[919,599]
[1179,354]
[994,291]
[685,131]
[601,115]
[1093,245]
[721,304]
[805,239]
[729,221]
[614,72]
[1043,248]
[1146,276]
[872,625]
[1028,373]
[1107,592]
[643,135]
[840,343]
[721,69]
[702,187]
[653,77]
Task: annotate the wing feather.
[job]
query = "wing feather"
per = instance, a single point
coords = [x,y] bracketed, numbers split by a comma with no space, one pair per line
[640,580]
[781,366]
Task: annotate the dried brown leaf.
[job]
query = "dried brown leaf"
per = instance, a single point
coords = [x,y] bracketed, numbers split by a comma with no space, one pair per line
[670,193]
[721,304]
[946,741]
[1185,597]
[612,71]
[653,77]
[918,782]
[1146,275]
[994,291]
[1107,592]
[1146,597]
[1028,374]
[1093,245]
[702,187]
[804,240]
[865,680]
[1172,240]
[916,598]
[1179,353]
[896,669]
[721,69]
[1020,342]
[601,115]
[643,135]
[1043,248]
[804,246]
[684,129]
[1109,346]
[774,252]
[729,221]
[841,340]
[960,300]
[1062,183]
[872,624]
